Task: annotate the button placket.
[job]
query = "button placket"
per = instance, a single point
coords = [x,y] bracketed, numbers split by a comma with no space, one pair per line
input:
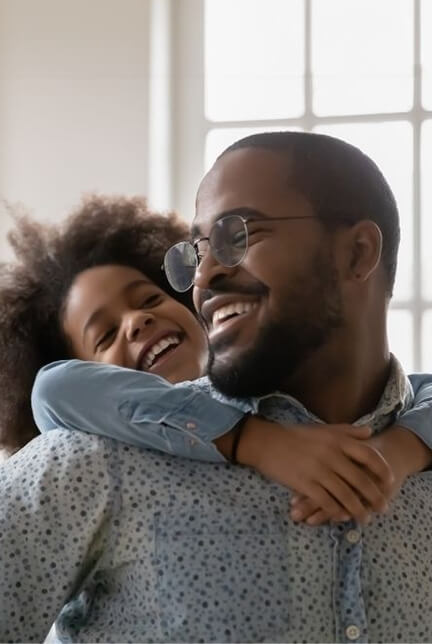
[349,594]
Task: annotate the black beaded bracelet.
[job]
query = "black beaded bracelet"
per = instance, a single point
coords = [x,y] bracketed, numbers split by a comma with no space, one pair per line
[238,434]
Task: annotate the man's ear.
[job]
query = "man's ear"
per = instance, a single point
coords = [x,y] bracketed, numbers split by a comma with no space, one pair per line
[362,247]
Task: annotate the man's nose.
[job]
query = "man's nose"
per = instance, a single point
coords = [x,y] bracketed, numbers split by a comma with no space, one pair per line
[209,271]
[136,323]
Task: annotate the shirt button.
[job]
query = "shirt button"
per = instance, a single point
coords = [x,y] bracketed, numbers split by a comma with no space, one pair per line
[352,632]
[190,425]
[353,536]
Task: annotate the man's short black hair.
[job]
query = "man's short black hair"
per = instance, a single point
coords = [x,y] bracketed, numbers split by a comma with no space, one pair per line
[336,178]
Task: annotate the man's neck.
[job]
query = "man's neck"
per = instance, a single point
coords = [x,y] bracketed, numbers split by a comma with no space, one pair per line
[341,386]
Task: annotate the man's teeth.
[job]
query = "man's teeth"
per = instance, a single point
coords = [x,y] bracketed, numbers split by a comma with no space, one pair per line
[237,308]
[156,349]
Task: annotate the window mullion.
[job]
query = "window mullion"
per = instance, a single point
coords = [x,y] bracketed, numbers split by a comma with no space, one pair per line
[307,120]
[417,255]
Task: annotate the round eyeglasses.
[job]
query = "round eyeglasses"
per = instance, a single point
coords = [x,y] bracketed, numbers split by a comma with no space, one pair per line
[228,243]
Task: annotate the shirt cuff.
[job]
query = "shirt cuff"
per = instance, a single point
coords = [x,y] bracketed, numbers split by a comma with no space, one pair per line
[192,427]
[414,421]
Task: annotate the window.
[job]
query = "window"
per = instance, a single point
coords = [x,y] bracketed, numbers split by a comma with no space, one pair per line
[357,69]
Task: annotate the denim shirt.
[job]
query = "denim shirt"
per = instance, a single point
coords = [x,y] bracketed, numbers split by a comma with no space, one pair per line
[145,410]
[125,544]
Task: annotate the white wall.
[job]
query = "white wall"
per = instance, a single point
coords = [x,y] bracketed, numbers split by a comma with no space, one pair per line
[74,80]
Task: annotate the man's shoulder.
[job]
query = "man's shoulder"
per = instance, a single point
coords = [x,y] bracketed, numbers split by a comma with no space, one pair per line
[71,447]
[59,451]
[58,440]
[66,451]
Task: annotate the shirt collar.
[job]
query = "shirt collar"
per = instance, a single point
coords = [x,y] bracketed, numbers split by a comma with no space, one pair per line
[397,396]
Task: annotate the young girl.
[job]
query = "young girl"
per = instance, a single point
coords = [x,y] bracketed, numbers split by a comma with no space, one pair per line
[92,289]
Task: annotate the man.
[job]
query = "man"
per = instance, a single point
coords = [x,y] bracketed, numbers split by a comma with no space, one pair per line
[303,233]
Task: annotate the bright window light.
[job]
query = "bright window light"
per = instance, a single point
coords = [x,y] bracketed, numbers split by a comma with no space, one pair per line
[427,342]
[254,59]
[400,331]
[362,56]
[426,220]
[426,41]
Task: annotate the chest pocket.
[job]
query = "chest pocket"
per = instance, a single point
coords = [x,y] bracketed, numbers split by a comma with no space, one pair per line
[224,576]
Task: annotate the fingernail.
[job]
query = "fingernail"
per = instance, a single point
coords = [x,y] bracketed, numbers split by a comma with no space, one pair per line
[296,515]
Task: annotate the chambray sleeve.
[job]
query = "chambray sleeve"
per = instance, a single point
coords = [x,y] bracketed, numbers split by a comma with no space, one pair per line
[418,419]
[132,406]
[51,538]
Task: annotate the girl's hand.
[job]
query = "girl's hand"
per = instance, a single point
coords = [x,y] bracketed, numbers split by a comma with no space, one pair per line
[335,467]
[403,451]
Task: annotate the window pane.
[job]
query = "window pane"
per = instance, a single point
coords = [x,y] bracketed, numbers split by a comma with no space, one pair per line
[400,331]
[426,221]
[220,138]
[362,56]
[254,59]
[427,342]
[390,146]
[426,41]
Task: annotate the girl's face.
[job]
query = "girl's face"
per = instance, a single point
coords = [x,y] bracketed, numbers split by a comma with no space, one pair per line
[115,314]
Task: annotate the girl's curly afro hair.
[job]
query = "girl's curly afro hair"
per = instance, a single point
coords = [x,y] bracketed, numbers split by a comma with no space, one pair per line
[33,289]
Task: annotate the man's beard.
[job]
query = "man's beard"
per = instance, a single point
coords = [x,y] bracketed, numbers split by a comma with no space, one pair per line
[313,310]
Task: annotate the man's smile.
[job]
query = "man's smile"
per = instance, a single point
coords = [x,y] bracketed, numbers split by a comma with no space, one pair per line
[222,312]
[230,311]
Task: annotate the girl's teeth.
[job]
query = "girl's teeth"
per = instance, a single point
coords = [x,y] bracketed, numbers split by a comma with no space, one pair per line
[158,348]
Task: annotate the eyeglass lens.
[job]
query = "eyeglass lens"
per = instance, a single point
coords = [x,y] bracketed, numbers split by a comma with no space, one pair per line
[228,242]
[180,264]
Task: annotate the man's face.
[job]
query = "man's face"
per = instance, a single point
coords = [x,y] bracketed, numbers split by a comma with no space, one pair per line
[268,315]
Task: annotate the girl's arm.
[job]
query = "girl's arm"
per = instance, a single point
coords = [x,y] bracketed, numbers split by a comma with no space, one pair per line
[418,419]
[407,445]
[132,406]
[144,410]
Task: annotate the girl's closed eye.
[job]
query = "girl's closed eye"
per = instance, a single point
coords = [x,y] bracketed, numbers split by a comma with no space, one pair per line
[152,300]
[105,340]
